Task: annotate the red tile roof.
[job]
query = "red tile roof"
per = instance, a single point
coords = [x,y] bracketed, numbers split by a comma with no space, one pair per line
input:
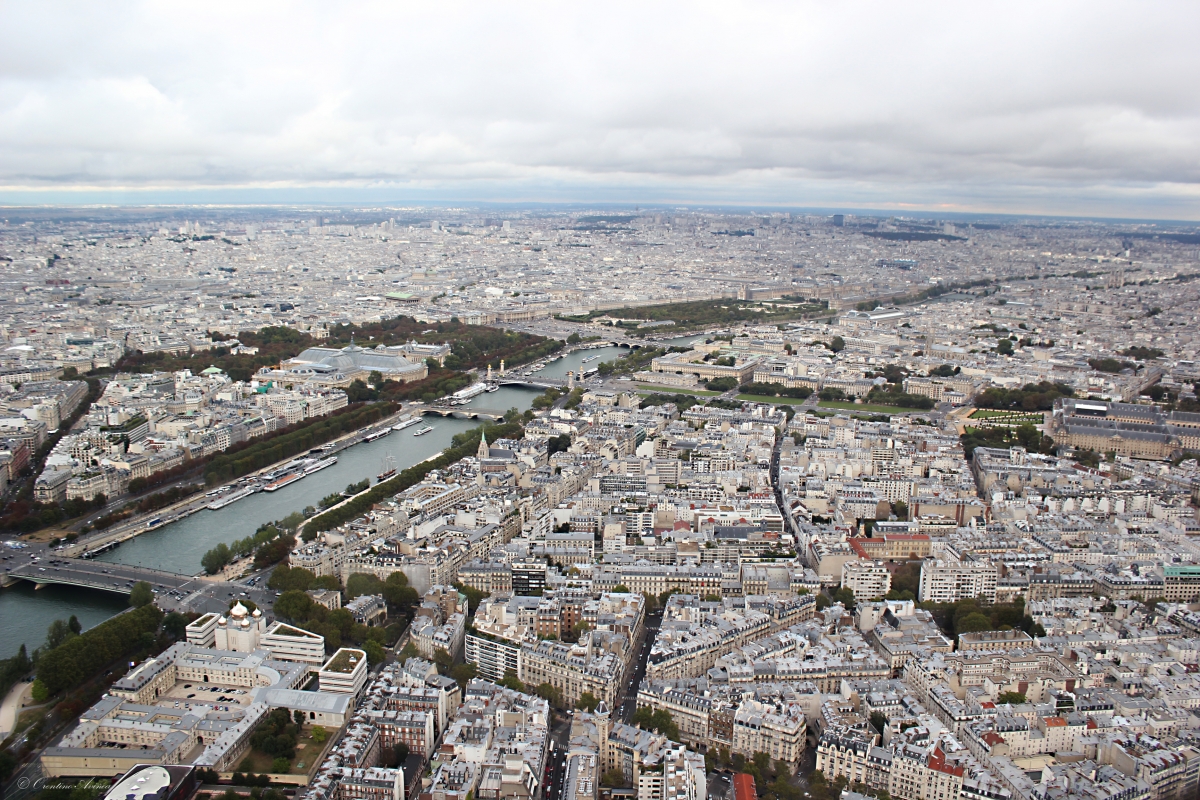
[743,787]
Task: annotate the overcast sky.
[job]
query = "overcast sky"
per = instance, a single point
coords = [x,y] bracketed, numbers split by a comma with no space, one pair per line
[1063,108]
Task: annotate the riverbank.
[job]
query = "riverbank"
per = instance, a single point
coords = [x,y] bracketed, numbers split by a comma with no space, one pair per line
[11,706]
[180,546]
[141,524]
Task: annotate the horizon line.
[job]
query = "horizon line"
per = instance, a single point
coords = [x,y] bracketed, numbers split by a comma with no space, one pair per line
[638,206]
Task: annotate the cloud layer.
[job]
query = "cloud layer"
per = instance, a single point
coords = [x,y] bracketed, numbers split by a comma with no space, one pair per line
[1066,107]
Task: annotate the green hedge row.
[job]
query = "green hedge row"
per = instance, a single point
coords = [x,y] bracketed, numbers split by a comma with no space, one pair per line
[83,657]
[234,464]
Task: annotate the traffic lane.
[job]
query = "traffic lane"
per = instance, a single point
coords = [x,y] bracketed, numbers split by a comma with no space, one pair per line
[215,598]
[627,696]
[35,572]
[171,593]
[629,702]
[552,777]
[719,785]
[106,571]
[98,575]
[561,768]
[83,566]
[178,589]
[555,773]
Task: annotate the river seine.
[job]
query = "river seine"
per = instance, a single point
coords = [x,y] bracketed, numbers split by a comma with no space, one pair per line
[179,547]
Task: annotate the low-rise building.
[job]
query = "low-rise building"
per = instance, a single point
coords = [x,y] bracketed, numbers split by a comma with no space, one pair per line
[345,672]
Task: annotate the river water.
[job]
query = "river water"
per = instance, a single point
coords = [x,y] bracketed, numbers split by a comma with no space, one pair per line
[27,612]
[682,341]
[575,361]
[178,547]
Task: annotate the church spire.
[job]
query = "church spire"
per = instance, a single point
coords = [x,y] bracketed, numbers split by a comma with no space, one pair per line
[484,451]
[603,730]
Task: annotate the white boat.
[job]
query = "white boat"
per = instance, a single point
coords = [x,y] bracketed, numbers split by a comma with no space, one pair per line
[320,465]
[104,548]
[379,434]
[279,483]
[408,423]
[474,390]
[423,431]
[221,502]
[493,387]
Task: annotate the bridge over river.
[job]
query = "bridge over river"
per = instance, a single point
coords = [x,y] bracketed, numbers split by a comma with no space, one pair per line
[102,575]
[478,412]
[464,412]
[534,382]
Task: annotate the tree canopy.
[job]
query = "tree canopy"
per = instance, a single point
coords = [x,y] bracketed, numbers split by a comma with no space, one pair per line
[141,595]
[81,657]
[659,721]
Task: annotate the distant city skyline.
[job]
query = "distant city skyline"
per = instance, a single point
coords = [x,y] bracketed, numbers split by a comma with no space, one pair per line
[1062,110]
[119,204]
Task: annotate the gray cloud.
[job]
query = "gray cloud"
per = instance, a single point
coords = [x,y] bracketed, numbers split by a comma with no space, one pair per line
[1066,107]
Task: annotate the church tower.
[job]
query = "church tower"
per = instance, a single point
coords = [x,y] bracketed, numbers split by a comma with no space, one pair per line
[484,451]
[603,722]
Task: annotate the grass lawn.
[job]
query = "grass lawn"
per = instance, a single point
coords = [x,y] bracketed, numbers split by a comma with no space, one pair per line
[307,749]
[759,398]
[866,417]
[872,408]
[669,390]
[261,762]
[987,413]
[48,534]
[28,717]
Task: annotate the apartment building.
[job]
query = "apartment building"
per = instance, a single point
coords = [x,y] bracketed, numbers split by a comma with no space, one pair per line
[869,580]
[760,728]
[1181,584]
[674,773]
[948,581]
